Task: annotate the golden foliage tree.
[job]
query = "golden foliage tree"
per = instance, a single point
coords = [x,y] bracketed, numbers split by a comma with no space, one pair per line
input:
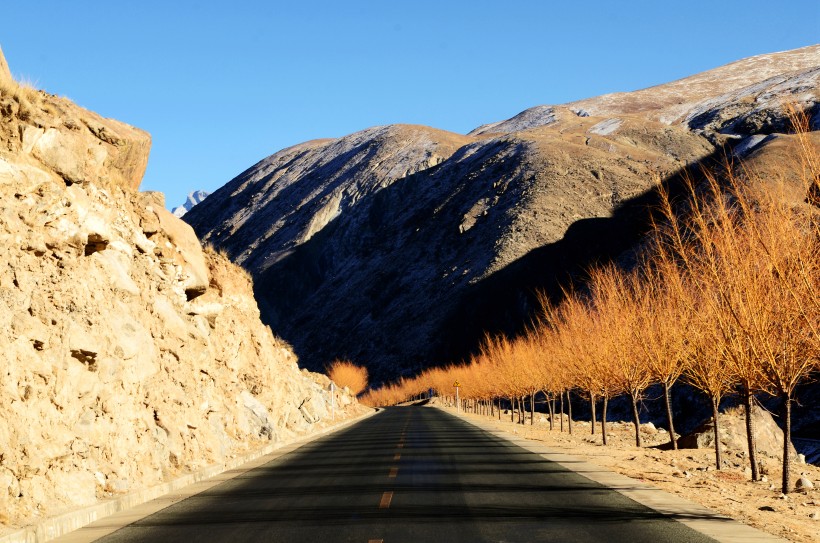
[347,374]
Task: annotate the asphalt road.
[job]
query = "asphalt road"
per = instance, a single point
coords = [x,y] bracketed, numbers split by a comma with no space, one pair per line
[410,474]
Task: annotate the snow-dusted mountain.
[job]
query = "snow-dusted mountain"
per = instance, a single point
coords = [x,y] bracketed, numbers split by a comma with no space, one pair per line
[193,199]
[400,246]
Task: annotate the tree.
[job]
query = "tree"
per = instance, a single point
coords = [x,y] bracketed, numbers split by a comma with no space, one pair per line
[347,374]
[622,365]
[661,326]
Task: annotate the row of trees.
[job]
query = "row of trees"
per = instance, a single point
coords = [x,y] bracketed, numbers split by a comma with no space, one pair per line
[727,297]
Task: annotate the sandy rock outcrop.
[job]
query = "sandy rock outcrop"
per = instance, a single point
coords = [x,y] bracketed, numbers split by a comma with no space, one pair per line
[128,354]
[52,133]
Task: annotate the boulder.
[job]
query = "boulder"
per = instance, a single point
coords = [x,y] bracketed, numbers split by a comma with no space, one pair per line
[733,434]
[803,483]
[189,250]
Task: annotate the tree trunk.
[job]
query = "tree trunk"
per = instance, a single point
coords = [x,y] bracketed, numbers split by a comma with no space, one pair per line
[603,419]
[636,419]
[569,413]
[667,395]
[499,408]
[512,409]
[532,408]
[562,411]
[715,402]
[592,408]
[751,439]
[551,406]
[787,439]
[520,410]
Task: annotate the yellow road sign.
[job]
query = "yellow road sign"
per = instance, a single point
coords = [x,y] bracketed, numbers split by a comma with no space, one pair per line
[456,384]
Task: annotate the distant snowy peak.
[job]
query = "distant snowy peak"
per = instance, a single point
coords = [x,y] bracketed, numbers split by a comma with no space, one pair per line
[193,199]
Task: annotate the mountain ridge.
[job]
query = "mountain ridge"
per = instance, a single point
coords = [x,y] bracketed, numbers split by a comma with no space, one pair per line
[396,278]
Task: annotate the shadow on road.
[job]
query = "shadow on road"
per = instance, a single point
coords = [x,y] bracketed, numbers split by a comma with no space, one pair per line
[441,478]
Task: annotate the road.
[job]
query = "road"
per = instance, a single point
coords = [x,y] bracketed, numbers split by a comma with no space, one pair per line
[410,474]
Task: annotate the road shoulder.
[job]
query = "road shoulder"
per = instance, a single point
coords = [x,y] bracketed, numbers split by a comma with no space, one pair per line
[695,516]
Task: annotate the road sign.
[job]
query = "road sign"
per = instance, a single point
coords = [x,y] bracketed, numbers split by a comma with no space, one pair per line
[456,384]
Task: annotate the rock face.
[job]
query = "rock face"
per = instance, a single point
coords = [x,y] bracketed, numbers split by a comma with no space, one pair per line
[193,199]
[129,353]
[400,246]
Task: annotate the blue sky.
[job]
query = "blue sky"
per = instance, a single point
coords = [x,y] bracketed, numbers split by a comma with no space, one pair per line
[220,87]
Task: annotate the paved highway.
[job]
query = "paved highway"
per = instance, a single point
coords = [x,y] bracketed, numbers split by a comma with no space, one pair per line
[409,474]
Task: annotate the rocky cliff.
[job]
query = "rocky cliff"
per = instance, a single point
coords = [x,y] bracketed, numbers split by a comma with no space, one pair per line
[129,353]
[399,246]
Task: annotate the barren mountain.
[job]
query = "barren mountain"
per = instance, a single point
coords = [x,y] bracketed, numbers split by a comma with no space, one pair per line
[400,246]
[129,355]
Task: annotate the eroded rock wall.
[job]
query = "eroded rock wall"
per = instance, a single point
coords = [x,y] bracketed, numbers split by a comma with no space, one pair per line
[128,354]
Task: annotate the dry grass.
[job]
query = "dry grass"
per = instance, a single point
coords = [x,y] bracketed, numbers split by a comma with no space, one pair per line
[220,254]
[24,94]
[347,374]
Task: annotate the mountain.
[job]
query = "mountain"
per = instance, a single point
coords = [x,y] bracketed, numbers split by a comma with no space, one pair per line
[193,199]
[130,355]
[400,246]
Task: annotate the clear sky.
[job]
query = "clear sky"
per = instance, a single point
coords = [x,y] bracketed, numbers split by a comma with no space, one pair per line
[221,85]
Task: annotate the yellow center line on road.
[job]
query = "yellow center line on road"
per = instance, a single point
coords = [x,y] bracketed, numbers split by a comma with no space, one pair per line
[396,456]
[393,473]
[375,541]
[386,498]
[400,445]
